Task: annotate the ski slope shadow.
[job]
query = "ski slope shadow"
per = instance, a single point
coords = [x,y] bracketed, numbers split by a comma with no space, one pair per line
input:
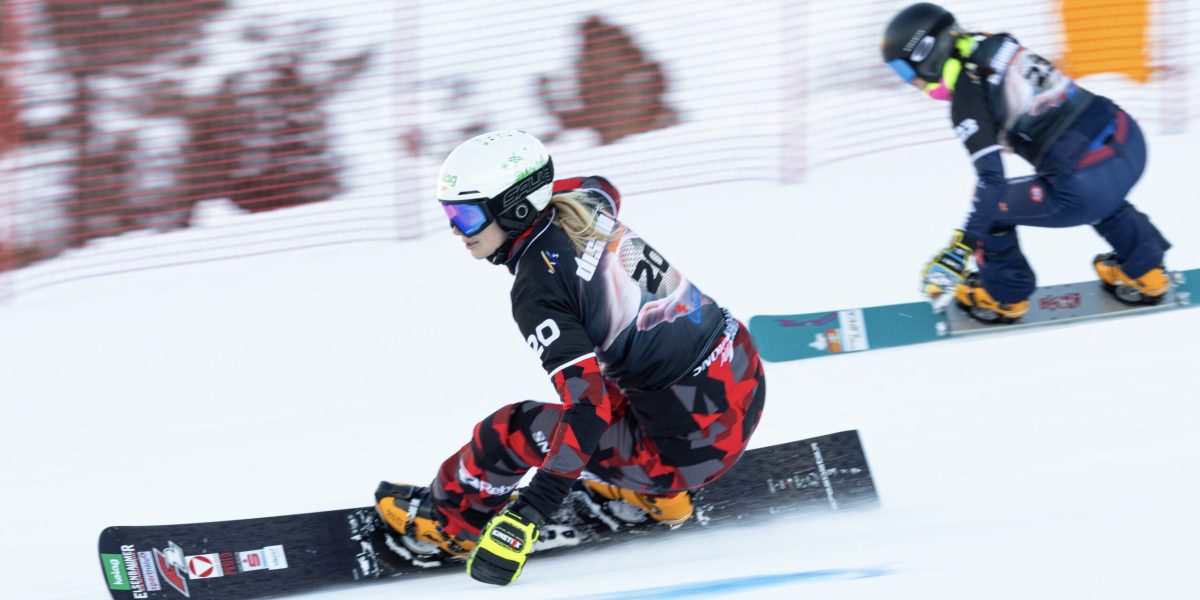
[719,587]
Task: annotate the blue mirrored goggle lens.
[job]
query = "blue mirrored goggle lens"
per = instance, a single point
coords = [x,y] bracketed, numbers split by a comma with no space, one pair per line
[470,219]
[903,69]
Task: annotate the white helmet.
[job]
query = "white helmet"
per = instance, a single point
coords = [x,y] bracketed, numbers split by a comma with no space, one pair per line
[502,176]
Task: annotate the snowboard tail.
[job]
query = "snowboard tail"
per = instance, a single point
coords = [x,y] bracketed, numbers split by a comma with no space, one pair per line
[794,337]
[278,556]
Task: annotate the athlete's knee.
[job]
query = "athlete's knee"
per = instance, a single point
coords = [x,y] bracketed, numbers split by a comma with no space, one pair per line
[520,416]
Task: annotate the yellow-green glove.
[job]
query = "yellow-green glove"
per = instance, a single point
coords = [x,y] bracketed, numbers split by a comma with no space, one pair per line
[946,270]
[504,545]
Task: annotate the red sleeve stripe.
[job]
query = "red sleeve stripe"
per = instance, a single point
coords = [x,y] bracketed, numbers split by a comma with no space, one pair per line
[566,185]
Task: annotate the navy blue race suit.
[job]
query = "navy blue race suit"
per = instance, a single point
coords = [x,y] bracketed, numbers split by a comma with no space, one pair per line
[1087,152]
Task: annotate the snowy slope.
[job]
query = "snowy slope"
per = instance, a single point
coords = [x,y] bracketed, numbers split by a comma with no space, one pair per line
[1054,463]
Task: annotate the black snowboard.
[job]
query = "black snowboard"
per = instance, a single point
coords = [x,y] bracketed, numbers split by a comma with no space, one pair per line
[277,556]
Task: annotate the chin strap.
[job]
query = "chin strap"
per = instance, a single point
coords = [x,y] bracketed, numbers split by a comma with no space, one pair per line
[516,240]
[500,256]
[515,223]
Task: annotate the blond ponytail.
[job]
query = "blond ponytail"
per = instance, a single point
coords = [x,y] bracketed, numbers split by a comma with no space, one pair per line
[575,214]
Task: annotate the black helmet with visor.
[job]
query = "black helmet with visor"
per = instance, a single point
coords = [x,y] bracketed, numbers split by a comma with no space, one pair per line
[918,42]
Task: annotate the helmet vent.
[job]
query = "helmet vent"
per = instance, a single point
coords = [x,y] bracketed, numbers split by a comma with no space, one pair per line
[919,35]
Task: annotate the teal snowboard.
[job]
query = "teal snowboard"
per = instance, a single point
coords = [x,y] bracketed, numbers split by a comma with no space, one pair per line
[793,337]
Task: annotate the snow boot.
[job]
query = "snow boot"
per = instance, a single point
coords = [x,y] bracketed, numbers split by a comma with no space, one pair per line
[634,507]
[408,511]
[979,303]
[1150,288]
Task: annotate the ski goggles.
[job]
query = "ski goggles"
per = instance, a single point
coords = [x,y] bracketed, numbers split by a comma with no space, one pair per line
[468,217]
[472,216]
[902,69]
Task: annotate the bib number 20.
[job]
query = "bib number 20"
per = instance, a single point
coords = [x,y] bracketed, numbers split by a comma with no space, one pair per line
[543,335]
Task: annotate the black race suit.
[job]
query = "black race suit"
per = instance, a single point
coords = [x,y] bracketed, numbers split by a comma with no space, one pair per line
[659,387]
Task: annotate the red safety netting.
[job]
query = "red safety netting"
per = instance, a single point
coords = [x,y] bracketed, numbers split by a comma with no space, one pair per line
[255,126]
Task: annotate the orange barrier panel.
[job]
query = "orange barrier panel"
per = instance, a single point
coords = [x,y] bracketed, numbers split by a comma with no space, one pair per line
[1107,36]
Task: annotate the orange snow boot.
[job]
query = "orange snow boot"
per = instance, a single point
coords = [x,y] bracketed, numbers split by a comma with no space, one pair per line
[979,303]
[1150,288]
[634,507]
[407,511]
